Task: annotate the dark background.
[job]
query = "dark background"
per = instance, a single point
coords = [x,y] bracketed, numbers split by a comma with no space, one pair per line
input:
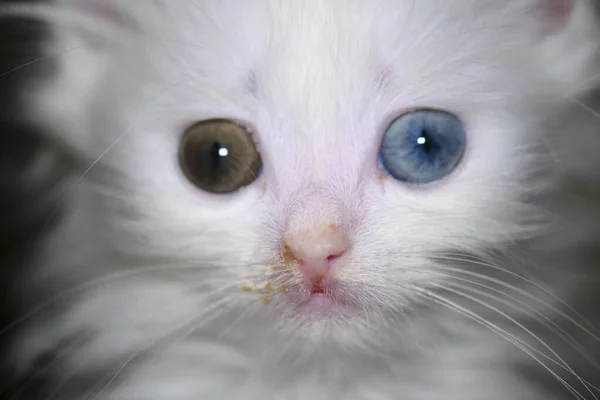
[25,207]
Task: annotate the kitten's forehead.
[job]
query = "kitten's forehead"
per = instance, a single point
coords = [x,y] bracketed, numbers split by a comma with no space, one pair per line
[329,44]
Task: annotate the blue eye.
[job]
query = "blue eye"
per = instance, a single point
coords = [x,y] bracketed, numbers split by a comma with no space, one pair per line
[422,146]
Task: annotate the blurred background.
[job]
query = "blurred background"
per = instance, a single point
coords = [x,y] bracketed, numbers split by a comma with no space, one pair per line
[26,202]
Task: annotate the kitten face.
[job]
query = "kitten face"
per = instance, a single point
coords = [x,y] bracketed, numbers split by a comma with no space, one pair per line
[317,86]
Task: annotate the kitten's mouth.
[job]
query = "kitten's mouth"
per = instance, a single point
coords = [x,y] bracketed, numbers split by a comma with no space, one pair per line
[322,300]
[317,290]
[317,287]
[319,304]
[313,299]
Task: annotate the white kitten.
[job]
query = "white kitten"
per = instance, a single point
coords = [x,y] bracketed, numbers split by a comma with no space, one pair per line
[339,199]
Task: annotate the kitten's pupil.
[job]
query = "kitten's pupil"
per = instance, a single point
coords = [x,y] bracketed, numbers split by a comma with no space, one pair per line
[215,163]
[424,143]
[218,154]
[220,163]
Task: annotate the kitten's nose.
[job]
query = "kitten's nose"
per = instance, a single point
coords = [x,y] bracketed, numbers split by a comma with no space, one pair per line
[316,250]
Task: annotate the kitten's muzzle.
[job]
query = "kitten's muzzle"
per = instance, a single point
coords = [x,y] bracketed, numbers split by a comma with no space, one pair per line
[316,253]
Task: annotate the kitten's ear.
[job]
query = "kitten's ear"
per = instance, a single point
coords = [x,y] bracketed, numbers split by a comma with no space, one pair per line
[568,32]
[107,11]
[98,21]
[555,14]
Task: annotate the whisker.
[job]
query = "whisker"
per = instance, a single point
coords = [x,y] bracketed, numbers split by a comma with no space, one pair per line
[585,106]
[546,321]
[62,355]
[519,325]
[69,191]
[521,292]
[40,59]
[68,293]
[232,325]
[589,328]
[131,128]
[499,331]
[179,332]
[549,324]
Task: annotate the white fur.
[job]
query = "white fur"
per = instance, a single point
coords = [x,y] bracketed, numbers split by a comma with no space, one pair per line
[158,265]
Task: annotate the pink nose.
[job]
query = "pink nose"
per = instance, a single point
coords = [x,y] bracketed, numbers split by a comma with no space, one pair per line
[315,250]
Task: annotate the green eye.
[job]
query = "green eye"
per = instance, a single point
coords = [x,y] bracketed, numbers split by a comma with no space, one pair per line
[219,156]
